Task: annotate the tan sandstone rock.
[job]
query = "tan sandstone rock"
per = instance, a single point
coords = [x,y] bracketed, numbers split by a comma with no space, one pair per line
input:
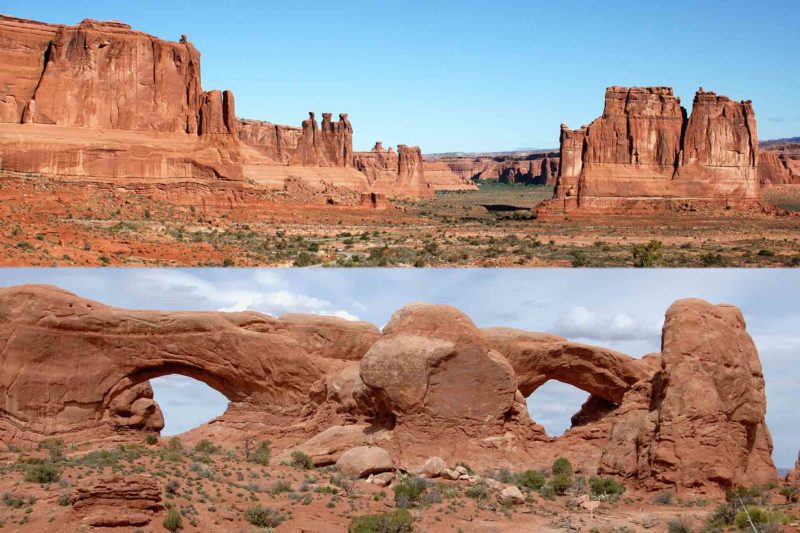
[364,460]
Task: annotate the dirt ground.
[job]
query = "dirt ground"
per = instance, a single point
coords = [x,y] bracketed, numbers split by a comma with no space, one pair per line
[213,488]
[48,222]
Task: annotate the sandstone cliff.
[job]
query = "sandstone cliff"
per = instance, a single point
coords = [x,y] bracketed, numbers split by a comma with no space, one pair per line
[779,164]
[100,99]
[431,383]
[644,152]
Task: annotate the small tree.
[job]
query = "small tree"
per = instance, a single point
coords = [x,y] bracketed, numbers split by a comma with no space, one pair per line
[646,255]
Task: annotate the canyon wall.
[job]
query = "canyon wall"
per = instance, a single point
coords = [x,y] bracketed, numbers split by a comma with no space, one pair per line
[691,417]
[645,152]
[100,99]
[534,169]
[779,164]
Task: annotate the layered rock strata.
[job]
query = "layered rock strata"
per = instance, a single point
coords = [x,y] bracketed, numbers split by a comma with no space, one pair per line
[645,153]
[102,100]
[430,384]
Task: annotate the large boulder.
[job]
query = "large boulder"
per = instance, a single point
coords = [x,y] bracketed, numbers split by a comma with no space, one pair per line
[364,460]
[432,362]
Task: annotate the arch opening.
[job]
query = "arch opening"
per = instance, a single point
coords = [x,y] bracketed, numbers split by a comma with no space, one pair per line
[559,406]
[186,403]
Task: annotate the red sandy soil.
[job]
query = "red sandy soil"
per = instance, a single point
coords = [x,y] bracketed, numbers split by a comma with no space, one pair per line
[49,222]
[214,490]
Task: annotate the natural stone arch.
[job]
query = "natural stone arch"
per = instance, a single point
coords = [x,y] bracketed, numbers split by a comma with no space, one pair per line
[256,361]
[540,357]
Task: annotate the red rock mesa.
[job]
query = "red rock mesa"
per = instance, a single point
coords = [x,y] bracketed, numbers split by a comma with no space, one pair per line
[429,384]
[644,152]
[102,101]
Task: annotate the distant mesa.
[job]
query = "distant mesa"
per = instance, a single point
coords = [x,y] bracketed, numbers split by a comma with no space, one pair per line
[430,384]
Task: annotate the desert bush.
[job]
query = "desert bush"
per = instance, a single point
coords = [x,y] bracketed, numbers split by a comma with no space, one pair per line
[44,473]
[561,483]
[301,460]
[562,466]
[759,517]
[261,455]
[792,494]
[151,439]
[479,491]
[206,446]
[398,521]
[279,487]
[264,516]
[605,487]
[530,479]
[664,497]
[679,525]
[55,448]
[173,520]
[12,500]
[646,255]
[408,490]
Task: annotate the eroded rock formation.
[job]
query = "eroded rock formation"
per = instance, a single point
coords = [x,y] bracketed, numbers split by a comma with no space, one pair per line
[531,169]
[117,501]
[779,164]
[645,153]
[400,173]
[102,100]
[430,384]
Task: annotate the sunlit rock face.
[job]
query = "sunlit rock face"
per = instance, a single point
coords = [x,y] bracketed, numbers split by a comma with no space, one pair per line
[430,384]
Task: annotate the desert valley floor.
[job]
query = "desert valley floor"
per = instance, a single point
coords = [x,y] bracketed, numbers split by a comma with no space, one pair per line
[81,224]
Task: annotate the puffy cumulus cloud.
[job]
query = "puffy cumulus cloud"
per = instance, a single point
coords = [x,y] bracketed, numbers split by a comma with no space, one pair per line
[264,294]
[282,301]
[582,323]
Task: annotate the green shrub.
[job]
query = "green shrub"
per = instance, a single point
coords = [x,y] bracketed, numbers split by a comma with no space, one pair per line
[792,494]
[398,521]
[562,466]
[45,473]
[173,520]
[12,500]
[175,444]
[264,516]
[759,517]
[55,447]
[301,460]
[530,479]
[205,446]
[408,490]
[646,255]
[679,525]
[261,455]
[605,486]
[479,491]
[279,487]
[151,439]
[561,483]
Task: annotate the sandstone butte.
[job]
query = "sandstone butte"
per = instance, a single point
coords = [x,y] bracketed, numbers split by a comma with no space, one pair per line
[431,384]
[100,101]
[645,152]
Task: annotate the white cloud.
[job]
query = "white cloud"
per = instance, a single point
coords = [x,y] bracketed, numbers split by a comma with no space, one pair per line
[582,323]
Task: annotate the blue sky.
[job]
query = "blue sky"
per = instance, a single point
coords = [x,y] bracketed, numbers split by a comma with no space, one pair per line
[621,309]
[468,75]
